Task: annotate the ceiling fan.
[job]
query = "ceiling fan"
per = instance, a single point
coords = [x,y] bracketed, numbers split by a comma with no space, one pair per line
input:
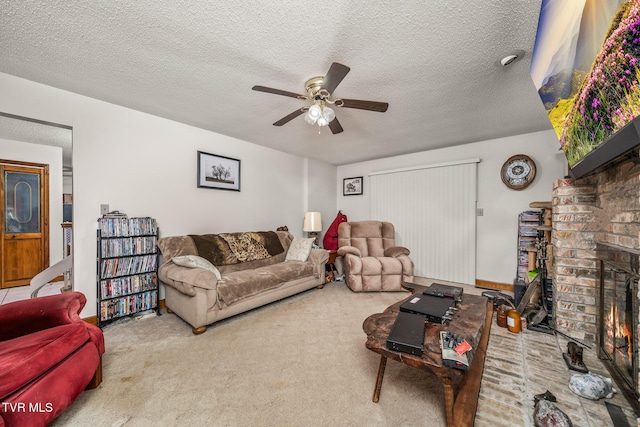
[318,91]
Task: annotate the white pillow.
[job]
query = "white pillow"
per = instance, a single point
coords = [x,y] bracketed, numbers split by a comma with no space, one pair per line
[194,261]
[299,249]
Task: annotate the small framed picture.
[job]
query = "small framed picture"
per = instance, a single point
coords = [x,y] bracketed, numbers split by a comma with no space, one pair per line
[352,186]
[219,172]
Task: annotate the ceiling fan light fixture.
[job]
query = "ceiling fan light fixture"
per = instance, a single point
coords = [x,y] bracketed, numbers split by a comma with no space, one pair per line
[315,112]
[328,114]
[309,119]
[318,92]
[322,122]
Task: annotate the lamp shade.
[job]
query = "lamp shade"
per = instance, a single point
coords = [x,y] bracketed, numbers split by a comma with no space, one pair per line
[312,222]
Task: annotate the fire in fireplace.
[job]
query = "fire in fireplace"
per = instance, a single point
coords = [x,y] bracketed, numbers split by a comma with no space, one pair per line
[617,341]
[618,315]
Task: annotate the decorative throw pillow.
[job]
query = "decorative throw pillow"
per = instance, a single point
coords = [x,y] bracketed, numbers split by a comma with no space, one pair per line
[299,250]
[194,261]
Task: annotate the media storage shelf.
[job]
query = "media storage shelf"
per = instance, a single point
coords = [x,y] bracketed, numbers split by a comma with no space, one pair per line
[127,270]
[528,222]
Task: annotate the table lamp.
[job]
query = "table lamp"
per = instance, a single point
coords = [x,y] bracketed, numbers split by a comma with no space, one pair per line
[312,225]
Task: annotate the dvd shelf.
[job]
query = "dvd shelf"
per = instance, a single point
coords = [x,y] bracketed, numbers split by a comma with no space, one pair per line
[528,223]
[127,267]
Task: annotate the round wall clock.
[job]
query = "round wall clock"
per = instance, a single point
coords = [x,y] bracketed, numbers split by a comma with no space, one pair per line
[518,172]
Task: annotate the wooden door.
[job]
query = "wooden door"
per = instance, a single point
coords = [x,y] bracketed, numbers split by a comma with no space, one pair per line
[24,231]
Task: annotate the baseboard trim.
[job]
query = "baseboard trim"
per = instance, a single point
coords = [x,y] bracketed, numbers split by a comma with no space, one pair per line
[93,320]
[494,285]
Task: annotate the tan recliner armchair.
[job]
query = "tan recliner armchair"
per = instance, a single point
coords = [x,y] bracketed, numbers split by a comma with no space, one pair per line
[372,261]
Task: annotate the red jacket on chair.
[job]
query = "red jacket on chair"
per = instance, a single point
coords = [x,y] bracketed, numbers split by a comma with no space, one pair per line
[330,240]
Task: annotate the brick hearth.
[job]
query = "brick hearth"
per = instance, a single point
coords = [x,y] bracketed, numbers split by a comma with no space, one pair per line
[519,366]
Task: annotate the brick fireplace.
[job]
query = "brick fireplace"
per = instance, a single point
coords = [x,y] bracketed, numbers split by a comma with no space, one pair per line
[596,227]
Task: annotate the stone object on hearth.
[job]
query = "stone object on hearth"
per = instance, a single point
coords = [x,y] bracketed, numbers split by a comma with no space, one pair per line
[591,386]
[547,414]
[547,395]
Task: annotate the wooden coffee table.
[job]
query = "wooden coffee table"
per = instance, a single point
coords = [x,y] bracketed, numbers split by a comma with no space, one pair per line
[472,321]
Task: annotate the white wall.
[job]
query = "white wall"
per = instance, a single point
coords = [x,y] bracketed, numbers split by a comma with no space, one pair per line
[322,194]
[146,166]
[497,229]
[67,184]
[52,156]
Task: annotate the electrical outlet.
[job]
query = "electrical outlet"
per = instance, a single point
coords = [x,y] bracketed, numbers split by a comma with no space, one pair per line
[104,209]
[479,212]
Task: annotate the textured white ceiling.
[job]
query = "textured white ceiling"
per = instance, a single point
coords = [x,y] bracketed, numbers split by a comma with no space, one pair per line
[434,62]
[17,129]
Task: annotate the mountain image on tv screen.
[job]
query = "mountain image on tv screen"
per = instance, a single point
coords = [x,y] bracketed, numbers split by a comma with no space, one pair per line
[585,68]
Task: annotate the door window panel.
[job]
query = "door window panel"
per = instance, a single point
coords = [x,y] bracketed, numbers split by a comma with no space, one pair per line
[22,202]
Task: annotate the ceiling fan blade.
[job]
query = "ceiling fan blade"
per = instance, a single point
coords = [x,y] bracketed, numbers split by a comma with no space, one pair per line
[380,107]
[277,91]
[289,117]
[335,126]
[334,76]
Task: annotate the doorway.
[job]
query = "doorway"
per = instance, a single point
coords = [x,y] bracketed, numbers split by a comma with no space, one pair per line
[22,140]
[24,215]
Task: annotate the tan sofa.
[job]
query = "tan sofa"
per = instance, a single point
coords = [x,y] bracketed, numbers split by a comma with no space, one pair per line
[253,270]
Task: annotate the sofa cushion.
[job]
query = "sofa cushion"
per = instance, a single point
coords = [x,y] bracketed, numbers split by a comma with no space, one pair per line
[172,246]
[25,358]
[292,270]
[233,248]
[299,249]
[213,248]
[184,279]
[238,285]
[245,247]
[194,261]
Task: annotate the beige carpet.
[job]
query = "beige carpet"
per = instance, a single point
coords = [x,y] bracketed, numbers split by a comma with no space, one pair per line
[297,362]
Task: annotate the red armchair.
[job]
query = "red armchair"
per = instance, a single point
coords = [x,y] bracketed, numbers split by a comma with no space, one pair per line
[48,356]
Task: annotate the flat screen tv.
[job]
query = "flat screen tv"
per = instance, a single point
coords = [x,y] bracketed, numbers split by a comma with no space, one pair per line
[586,66]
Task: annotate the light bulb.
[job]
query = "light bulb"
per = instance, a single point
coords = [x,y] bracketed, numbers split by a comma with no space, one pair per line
[322,121]
[309,119]
[328,114]
[315,112]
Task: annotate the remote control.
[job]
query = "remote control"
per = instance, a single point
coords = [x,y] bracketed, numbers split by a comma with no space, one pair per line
[450,358]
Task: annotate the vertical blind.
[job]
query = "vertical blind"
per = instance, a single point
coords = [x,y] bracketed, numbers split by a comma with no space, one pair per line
[433,210]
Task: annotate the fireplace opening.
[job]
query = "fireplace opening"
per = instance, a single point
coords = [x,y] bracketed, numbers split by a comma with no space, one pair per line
[618,317]
[617,340]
